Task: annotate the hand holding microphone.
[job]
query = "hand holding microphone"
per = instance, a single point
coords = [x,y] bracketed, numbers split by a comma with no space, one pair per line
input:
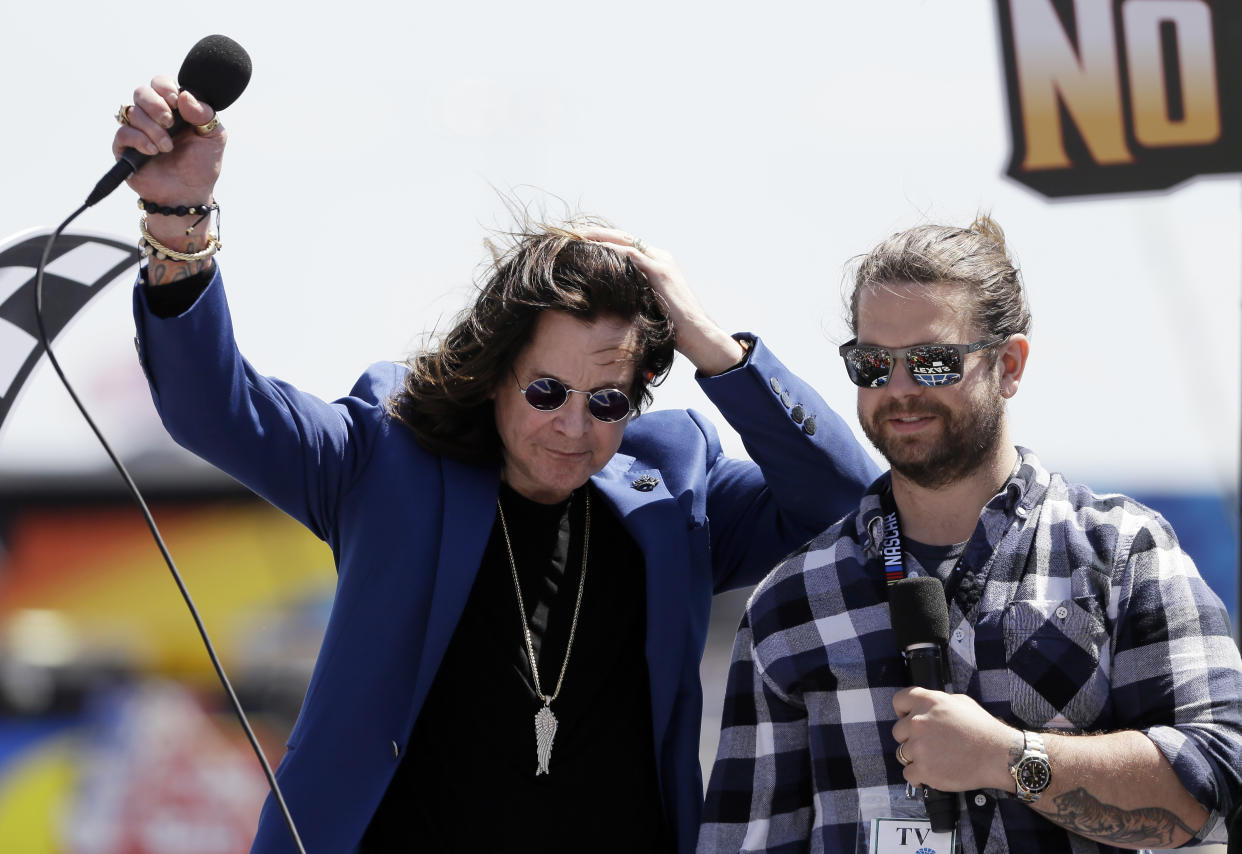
[921,624]
[948,741]
[174,124]
[179,169]
[173,131]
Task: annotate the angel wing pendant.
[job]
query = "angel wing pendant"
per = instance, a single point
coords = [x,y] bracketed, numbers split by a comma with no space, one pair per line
[545,731]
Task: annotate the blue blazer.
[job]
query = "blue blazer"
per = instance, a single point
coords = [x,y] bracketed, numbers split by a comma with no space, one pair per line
[407,529]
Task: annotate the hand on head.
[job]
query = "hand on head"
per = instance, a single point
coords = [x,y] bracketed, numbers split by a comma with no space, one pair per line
[699,339]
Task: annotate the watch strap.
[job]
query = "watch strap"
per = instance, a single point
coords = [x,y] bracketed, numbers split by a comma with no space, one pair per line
[1033,753]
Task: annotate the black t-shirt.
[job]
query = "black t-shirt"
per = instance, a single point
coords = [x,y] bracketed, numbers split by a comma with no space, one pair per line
[938,561]
[468,782]
[961,585]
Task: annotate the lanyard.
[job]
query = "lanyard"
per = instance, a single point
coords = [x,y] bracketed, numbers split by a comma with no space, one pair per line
[891,552]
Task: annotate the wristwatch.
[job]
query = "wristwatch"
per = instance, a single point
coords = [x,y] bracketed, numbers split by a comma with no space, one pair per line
[1032,772]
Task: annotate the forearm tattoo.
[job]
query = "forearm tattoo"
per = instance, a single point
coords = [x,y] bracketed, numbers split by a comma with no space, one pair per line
[163,272]
[1144,827]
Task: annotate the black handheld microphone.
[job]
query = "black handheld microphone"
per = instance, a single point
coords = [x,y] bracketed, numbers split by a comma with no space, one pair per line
[921,624]
[216,71]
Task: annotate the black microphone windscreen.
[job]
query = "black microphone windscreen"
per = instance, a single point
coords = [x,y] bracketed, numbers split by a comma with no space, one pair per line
[919,611]
[216,71]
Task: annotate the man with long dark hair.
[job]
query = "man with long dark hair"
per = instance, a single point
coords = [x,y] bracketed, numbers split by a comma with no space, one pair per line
[525,569]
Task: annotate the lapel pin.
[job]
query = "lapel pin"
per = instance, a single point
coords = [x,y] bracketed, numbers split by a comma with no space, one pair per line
[646,483]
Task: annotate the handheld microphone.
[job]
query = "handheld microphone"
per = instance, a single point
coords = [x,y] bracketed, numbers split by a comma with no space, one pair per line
[216,71]
[921,623]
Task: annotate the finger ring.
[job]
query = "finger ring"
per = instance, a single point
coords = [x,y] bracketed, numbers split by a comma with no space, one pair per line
[203,130]
[901,755]
[639,244]
[122,115]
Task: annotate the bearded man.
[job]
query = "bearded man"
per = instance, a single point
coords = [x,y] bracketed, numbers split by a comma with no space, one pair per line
[1093,692]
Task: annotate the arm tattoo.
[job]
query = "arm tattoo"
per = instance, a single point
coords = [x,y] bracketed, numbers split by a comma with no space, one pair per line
[1081,813]
[157,274]
[163,272]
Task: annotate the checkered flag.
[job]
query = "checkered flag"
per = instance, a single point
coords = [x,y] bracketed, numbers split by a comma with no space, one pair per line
[80,266]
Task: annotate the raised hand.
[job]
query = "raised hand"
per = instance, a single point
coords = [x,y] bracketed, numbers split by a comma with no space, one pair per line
[188,166]
[699,339]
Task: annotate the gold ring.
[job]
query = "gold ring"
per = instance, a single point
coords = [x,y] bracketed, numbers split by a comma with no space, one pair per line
[122,115]
[639,244]
[203,130]
[901,756]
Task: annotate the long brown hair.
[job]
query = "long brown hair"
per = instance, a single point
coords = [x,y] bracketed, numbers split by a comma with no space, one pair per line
[447,397]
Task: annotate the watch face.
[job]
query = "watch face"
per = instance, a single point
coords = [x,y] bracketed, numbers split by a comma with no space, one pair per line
[1034,774]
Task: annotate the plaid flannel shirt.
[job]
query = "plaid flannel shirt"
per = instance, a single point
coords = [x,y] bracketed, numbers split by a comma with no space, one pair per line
[1070,611]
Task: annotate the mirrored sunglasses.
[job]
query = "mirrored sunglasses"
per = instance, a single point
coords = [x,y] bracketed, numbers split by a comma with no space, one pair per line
[928,364]
[546,394]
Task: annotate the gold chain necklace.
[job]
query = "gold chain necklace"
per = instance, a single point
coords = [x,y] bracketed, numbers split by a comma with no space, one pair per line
[545,721]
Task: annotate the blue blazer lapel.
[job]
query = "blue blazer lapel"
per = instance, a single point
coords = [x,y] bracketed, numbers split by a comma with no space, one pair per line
[659,527]
[469,512]
[652,518]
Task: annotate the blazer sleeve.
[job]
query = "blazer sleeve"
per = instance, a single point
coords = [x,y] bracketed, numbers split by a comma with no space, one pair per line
[293,449]
[806,469]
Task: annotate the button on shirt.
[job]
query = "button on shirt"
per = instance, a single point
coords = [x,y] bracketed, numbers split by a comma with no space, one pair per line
[1075,611]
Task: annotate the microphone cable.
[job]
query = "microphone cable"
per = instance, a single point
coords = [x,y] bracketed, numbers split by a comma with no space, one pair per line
[155,532]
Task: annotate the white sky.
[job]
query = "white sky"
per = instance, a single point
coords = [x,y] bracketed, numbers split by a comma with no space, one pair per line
[762,148]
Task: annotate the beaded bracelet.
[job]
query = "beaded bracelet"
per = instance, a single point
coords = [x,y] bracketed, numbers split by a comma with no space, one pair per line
[148,246]
[201,211]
